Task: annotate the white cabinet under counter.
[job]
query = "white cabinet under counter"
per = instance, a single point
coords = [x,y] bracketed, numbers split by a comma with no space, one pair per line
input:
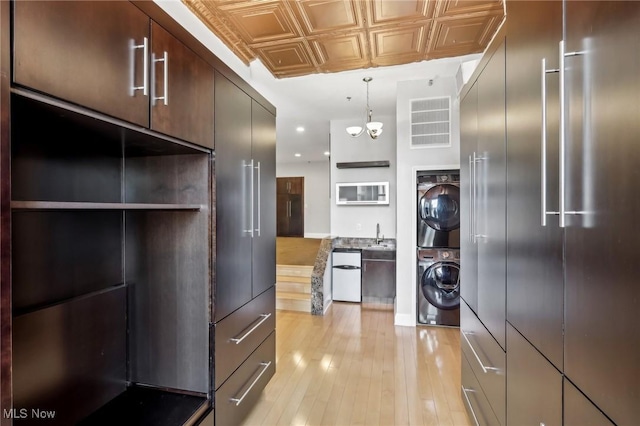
[347,275]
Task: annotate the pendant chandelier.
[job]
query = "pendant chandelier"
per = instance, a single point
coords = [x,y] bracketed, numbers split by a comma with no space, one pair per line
[373,128]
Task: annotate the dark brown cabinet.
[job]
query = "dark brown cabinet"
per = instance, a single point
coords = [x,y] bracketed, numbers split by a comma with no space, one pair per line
[181,90]
[290,206]
[110,57]
[534,386]
[468,148]
[535,285]
[89,53]
[111,265]
[572,161]
[244,299]
[602,159]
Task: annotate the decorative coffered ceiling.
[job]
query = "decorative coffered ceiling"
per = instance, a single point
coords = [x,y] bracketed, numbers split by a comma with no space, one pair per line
[299,37]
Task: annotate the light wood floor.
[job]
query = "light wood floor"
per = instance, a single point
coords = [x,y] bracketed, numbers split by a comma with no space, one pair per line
[354,367]
[297,251]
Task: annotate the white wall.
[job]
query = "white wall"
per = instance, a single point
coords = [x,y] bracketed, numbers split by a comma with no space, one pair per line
[360,221]
[316,194]
[410,161]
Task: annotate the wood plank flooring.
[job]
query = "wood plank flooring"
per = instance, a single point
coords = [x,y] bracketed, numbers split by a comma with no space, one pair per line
[354,367]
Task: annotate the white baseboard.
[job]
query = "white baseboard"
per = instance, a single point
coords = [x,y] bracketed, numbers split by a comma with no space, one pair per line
[315,235]
[326,306]
[405,320]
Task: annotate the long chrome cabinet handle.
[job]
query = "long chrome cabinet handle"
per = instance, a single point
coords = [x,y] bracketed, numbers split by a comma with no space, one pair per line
[250,230]
[485,369]
[259,200]
[471,198]
[261,320]
[473,413]
[543,162]
[477,159]
[264,367]
[145,65]
[563,142]
[165,94]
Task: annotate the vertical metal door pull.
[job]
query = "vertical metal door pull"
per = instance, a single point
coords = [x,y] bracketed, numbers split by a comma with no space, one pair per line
[543,162]
[237,401]
[477,159]
[145,66]
[563,144]
[165,95]
[473,413]
[259,199]
[250,230]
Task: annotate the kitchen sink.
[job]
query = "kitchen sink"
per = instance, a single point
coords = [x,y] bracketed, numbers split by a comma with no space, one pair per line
[380,247]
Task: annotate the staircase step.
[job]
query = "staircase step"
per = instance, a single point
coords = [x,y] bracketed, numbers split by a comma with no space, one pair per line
[293,287]
[300,302]
[292,279]
[294,270]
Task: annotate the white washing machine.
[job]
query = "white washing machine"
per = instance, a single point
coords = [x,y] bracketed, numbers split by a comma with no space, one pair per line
[438,287]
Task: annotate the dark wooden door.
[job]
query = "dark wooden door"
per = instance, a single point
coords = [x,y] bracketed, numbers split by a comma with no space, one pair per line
[263,151]
[491,198]
[468,148]
[184,108]
[534,386]
[233,197]
[534,251]
[602,337]
[86,50]
[290,206]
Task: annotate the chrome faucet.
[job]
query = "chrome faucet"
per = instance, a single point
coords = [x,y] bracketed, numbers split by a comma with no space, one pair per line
[378,239]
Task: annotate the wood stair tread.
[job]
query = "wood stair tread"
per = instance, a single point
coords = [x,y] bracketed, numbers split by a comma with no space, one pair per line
[292,295]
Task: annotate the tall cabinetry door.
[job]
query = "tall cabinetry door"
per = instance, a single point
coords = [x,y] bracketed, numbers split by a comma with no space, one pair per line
[491,193]
[263,129]
[93,54]
[534,239]
[234,228]
[468,148]
[602,333]
[181,90]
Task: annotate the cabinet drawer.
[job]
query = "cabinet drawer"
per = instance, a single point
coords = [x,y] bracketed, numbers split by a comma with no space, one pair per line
[234,399]
[478,408]
[240,333]
[487,359]
[534,386]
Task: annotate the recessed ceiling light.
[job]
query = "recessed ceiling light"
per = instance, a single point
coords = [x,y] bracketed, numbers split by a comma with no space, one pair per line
[299,129]
[297,154]
[327,153]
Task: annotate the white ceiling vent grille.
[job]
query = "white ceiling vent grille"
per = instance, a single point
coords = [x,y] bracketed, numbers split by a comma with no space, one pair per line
[430,122]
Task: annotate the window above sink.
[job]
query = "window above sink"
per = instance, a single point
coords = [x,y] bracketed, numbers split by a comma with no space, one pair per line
[362,193]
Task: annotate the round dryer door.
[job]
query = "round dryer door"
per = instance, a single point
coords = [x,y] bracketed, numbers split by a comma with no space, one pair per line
[439,207]
[441,285]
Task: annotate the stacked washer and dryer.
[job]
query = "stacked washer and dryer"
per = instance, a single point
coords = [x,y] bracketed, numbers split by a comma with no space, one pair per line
[438,227]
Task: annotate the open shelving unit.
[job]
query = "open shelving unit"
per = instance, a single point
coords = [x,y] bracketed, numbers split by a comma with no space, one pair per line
[111,268]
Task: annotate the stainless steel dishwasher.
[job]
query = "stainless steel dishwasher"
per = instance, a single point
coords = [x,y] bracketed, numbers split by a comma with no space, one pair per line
[378,275]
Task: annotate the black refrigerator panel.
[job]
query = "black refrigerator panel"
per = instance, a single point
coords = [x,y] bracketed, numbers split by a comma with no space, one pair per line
[491,196]
[602,110]
[468,148]
[233,197]
[534,239]
[263,149]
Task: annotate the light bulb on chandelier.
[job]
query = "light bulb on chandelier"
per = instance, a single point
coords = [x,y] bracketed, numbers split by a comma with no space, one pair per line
[373,128]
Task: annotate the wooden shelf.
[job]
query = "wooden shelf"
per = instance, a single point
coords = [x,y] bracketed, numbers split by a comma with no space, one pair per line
[65,205]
